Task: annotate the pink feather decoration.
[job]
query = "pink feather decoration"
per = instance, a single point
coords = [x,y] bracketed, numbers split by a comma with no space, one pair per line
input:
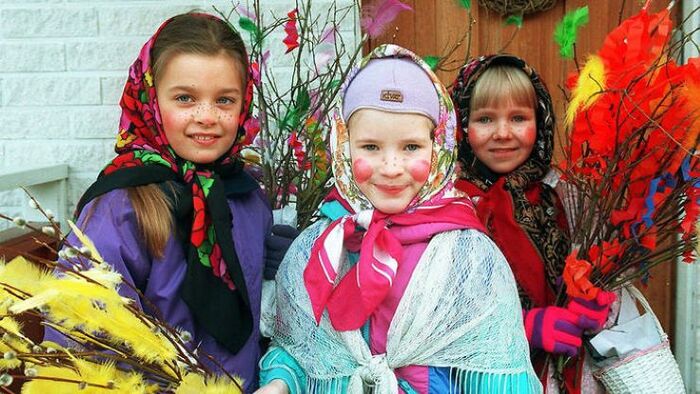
[246,12]
[376,17]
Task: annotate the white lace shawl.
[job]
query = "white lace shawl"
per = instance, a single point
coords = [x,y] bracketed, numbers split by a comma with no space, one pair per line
[460,310]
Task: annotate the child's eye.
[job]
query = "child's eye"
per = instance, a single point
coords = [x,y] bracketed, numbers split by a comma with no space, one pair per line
[412,147]
[184,98]
[370,147]
[519,118]
[483,119]
[225,100]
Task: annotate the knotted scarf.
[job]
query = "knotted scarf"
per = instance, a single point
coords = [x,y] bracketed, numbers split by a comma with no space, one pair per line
[352,300]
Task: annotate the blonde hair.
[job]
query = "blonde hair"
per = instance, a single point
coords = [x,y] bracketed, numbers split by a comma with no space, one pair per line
[502,82]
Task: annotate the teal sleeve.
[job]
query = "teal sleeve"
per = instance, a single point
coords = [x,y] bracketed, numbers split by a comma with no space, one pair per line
[333,210]
[278,364]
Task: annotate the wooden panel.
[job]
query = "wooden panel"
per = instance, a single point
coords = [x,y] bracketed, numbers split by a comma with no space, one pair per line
[434,26]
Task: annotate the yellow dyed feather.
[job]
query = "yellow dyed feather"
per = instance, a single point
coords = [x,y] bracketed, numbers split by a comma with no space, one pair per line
[12,344]
[85,371]
[41,299]
[96,308]
[590,81]
[105,275]
[12,337]
[8,324]
[197,384]
[148,345]
[9,364]
[22,274]
[86,242]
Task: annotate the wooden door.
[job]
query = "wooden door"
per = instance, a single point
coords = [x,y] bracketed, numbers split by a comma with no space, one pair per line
[433,27]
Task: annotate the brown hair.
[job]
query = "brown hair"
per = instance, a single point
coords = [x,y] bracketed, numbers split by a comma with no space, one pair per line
[149,202]
[199,34]
[502,82]
[153,216]
[185,33]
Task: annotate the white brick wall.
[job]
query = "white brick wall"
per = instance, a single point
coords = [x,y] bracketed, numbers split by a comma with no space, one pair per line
[63,64]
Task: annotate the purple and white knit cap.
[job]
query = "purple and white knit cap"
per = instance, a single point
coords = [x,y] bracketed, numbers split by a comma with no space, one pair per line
[394,85]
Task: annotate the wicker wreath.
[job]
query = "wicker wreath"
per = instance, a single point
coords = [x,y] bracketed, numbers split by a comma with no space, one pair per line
[510,7]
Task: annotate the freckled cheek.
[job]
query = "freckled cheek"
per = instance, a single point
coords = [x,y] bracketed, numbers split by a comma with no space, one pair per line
[174,117]
[361,170]
[419,170]
[476,137]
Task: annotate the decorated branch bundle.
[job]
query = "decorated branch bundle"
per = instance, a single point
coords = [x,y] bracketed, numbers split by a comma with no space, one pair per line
[631,156]
[122,349]
[289,153]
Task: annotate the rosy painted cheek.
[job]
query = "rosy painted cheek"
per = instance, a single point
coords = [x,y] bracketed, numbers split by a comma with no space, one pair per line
[419,170]
[361,170]
[531,135]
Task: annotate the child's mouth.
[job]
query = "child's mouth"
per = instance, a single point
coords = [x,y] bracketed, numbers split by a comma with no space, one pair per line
[204,139]
[388,189]
[503,151]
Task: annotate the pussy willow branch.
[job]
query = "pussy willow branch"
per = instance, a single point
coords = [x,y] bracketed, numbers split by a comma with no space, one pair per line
[184,354]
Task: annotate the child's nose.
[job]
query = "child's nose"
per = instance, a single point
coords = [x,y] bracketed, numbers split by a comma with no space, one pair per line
[205,115]
[391,166]
[503,130]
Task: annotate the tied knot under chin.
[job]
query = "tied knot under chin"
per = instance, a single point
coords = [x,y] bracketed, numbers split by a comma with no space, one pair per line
[375,370]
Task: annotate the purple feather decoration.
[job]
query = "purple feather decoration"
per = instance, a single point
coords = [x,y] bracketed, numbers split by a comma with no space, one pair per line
[328,35]
[376,17]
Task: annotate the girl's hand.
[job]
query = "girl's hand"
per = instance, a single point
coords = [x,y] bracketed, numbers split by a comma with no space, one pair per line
[276,386]
[555,330]
[596,309]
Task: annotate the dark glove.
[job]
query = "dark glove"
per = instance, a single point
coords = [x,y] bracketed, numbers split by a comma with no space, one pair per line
[276,245]
[555,330]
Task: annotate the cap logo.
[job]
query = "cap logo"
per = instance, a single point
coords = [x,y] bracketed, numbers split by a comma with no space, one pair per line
[391,95]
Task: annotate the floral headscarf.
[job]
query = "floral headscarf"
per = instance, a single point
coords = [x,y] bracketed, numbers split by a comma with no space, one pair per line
[214,280]
[437,203]
[537,221]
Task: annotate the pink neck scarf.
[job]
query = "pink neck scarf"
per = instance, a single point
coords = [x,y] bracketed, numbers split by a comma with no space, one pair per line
[367,283]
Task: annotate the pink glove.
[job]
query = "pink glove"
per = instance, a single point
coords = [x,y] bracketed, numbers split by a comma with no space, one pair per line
[597,309]
[555,330]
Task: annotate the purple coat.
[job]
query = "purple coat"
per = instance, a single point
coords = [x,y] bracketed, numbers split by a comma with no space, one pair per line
[111,224]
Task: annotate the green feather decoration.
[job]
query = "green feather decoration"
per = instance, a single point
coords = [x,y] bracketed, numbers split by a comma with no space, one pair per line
[516,20]
[465,4]
[431,61]
[566,30]
[249,26]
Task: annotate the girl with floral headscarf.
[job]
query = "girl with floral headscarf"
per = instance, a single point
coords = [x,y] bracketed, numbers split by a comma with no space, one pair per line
[506,115]
[396,288]
[174,212]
